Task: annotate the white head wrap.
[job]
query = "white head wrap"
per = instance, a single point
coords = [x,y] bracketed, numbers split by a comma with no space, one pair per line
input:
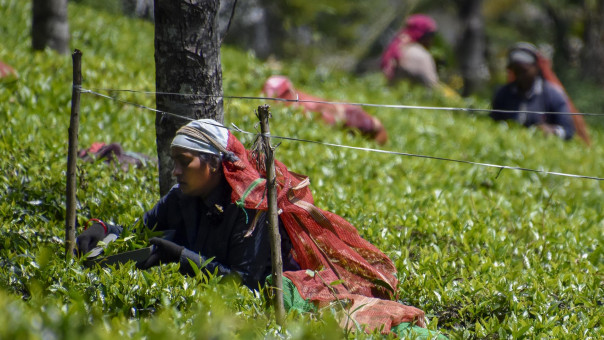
[524,53]
[203,135]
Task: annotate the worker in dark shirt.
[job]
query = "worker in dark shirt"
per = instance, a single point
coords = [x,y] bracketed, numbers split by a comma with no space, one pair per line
[216,214]
[200,218]
[530,96]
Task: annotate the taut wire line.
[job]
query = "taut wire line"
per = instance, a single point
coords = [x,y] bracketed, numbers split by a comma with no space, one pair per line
[235,128]
[138,105]
[501,167]
[391,106]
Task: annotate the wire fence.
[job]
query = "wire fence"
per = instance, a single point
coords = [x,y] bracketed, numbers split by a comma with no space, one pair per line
[390,106]
[237,129]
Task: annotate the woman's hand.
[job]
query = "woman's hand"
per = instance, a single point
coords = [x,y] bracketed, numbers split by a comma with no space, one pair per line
[89,238]
[164,251]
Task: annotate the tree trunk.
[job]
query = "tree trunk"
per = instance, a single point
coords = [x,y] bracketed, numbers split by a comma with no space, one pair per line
[138,8]
[187,61]
[562,57]
[249,27]
[592,64]
[49,25]
[472,46]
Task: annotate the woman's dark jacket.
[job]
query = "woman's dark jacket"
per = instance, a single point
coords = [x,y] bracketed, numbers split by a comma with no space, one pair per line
[217,228]
[543,97]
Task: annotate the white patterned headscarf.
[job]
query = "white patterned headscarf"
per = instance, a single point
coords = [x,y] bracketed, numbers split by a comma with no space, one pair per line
[524,53]
[204,135]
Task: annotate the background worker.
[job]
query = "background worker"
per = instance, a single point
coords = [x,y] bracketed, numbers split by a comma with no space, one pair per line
[529,92]
[407,56]
[216,214]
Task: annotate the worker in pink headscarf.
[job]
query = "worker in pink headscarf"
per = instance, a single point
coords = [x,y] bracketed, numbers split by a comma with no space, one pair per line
[350,116]
[407,56]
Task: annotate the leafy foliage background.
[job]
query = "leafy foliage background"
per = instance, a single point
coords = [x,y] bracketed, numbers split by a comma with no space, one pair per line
[484,253]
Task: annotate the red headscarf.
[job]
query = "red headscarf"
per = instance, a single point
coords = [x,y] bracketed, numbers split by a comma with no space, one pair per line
[417,26]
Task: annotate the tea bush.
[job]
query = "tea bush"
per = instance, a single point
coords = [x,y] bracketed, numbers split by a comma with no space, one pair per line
[485,253]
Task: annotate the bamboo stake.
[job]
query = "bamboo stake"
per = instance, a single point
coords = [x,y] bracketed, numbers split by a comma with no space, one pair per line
[276,260]
[74,124]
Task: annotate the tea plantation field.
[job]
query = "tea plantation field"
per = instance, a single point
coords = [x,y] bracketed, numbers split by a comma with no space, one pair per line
[485,253]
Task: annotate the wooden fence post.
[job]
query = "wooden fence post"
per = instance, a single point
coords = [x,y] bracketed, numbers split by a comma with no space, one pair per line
[275,237]
[74,124]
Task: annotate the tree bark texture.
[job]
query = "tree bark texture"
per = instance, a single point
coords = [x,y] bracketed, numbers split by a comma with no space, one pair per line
[472,46]
[187,62]
[593,53]
[50,26]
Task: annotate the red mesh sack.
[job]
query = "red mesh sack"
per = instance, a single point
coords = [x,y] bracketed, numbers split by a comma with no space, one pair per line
[326,244]
[320,238]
